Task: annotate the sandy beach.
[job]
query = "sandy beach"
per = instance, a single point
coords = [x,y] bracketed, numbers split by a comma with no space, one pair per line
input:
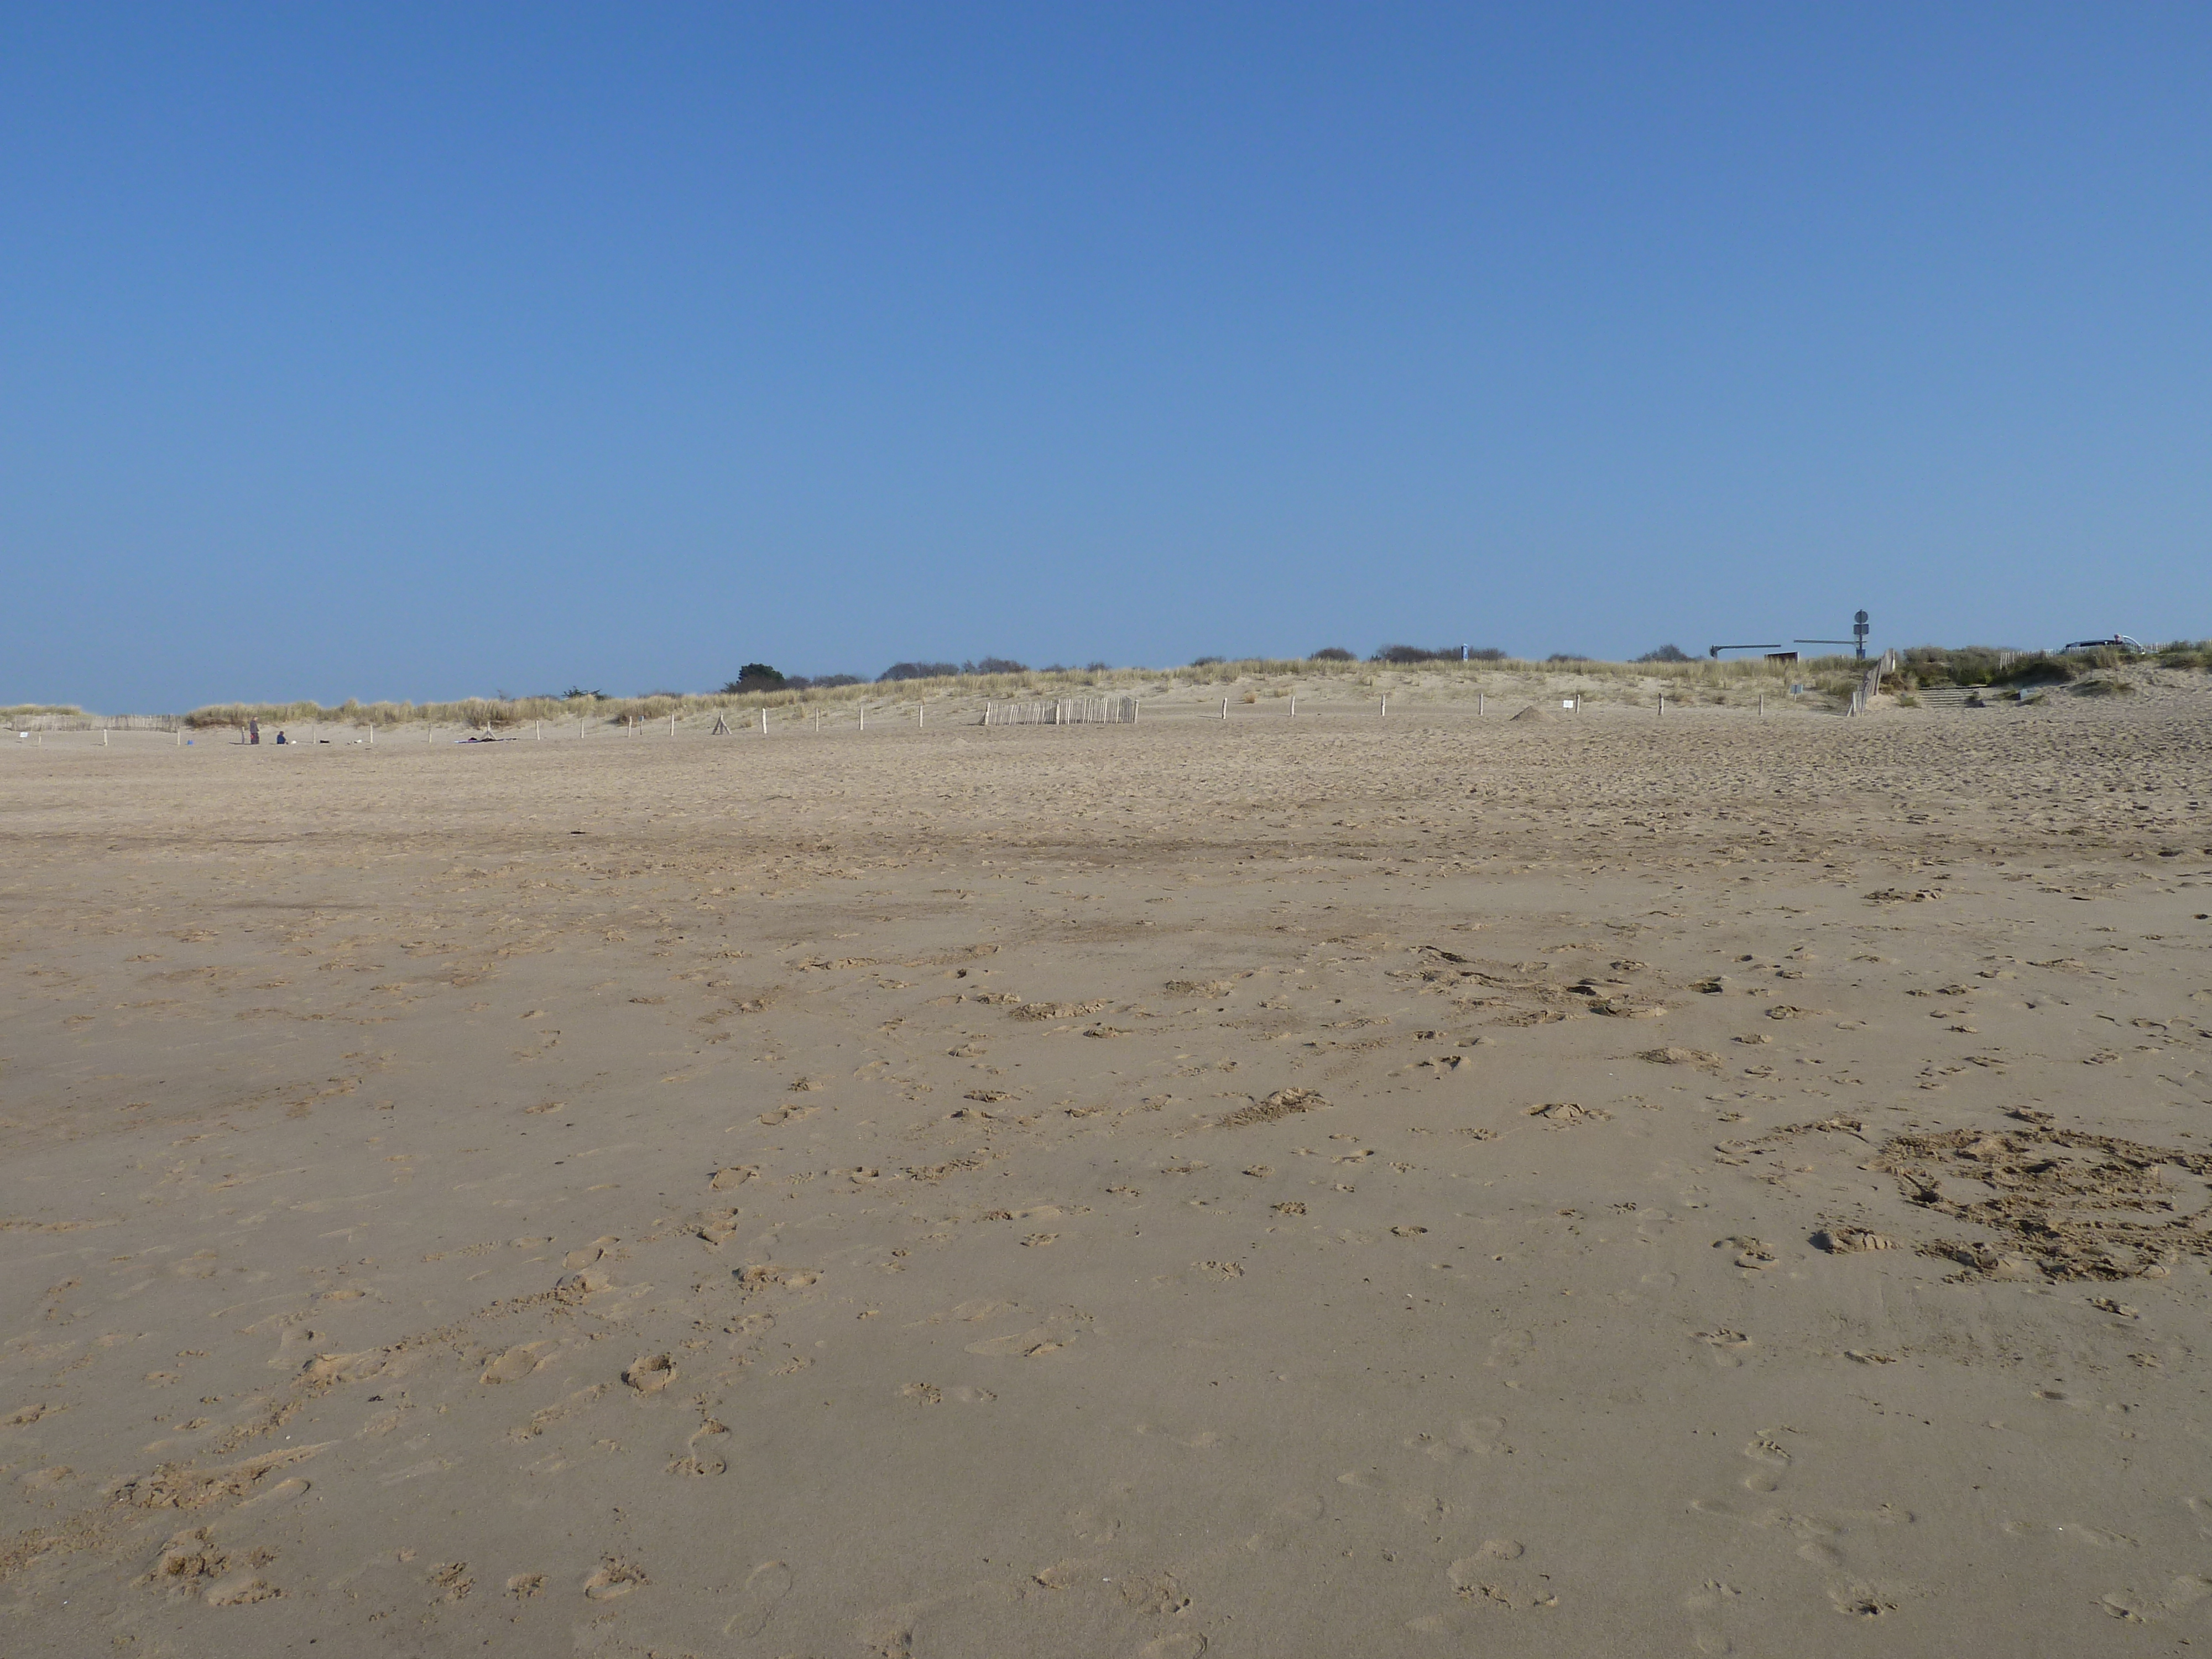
[1600,1184]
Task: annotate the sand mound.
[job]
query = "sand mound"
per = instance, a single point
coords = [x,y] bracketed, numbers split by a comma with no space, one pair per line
[1532,712]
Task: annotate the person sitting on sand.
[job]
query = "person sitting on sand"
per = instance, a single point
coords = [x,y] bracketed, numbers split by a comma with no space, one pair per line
[281,738]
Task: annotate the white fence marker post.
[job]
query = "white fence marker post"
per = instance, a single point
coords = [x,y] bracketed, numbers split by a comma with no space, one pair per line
[1385,704]
[1478,702]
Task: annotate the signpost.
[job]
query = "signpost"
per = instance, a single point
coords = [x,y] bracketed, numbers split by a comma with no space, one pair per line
[1858,636]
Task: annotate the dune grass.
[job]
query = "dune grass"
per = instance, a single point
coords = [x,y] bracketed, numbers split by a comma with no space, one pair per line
[1445,677]
[1701,679]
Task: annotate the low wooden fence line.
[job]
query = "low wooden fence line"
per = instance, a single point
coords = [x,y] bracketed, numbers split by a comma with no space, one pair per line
[1063,711]
[1870,682]
[94,722]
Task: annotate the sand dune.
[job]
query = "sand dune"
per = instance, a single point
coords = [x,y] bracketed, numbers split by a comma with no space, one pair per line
[1586,1185]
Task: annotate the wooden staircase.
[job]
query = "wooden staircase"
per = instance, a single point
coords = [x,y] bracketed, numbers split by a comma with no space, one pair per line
[1960,697]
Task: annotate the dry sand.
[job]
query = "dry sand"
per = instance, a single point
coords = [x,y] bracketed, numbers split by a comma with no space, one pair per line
[1346,1188]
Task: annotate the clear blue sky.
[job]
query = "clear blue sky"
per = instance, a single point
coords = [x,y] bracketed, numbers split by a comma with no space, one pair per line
[419,351]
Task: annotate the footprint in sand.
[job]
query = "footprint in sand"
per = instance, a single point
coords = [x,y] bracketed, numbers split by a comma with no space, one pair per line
[1566,1114]
[1750,1252]
[764,1587]
[1729,1347]
[1845,1241]
[1489,1578]
[615,1576]
[1470,1436]
[239,1589]
[650,1373]
[283,1493]
[695,1462]
[1705,1605]
[1034,1344]
[2072,1532]
[2136,1607]
[514,1365]
[1773,1458]
[587,1255]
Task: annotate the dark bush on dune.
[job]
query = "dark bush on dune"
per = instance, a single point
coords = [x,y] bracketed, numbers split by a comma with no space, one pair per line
[945,671]
[1666,653]
[1410,653]
[749,681]
[1568,656]
[1331,654]
[1206,662]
